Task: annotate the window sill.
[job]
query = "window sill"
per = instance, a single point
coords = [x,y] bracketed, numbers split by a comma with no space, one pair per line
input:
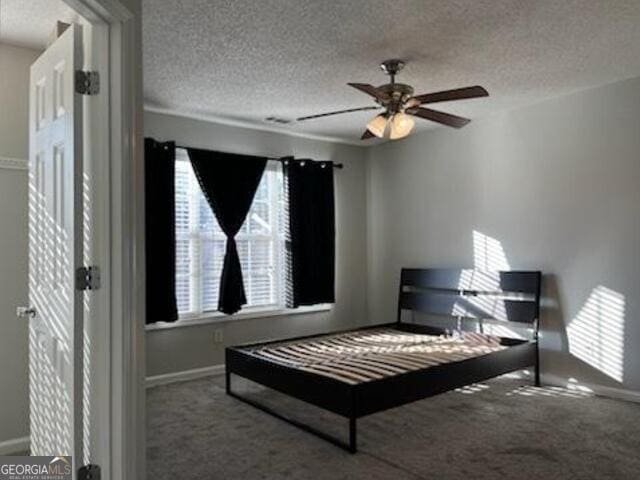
[216,317]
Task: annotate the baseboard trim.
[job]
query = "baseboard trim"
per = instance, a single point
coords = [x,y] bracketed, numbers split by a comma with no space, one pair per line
[599,390]
[14,446]
[9,163]
[167,378]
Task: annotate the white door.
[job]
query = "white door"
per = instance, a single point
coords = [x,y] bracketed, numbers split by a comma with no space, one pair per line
[55,250]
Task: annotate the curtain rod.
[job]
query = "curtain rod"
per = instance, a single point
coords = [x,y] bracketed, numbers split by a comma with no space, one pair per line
[278,159]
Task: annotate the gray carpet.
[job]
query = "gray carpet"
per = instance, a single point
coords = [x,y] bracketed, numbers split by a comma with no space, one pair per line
[499,429]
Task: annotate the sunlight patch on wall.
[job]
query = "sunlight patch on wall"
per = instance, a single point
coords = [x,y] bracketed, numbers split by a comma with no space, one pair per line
[488,253]
[596,334]
[489,258]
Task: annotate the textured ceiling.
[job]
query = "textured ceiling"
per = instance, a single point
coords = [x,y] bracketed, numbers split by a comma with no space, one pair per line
[30,23]
[246,60]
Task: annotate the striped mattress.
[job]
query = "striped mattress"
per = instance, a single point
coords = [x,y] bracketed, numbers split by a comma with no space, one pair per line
[371,354]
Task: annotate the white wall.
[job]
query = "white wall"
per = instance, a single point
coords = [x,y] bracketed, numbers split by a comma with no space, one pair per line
[14,99]
[557,184]
[191,347]
[554,187]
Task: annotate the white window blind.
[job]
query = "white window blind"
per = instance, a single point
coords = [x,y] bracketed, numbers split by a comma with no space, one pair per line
[200,243]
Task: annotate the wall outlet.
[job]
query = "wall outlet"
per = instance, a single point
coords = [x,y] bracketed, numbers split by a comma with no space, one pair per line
[217,336]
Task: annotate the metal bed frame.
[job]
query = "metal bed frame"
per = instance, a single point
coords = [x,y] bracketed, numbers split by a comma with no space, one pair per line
[454,293]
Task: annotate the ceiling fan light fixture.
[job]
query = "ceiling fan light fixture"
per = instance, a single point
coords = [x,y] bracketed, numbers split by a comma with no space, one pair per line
[402,107]
[401,125]
[378,125]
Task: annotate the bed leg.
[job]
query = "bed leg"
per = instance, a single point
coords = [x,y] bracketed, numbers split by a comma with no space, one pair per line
[353,447]
[227,381]
[537,369]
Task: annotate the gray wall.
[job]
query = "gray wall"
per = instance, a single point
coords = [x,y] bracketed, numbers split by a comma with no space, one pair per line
[14,99]
[190,347]
[556,187]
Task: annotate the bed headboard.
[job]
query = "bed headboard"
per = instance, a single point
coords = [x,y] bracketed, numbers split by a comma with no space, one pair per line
[510,296]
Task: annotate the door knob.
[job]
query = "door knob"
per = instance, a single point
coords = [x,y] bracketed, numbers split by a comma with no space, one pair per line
[26,312]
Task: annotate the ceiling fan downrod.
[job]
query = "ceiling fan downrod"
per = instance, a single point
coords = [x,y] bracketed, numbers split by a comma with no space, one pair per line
[392,67]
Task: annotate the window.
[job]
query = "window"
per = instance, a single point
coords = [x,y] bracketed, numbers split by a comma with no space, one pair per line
[200,244]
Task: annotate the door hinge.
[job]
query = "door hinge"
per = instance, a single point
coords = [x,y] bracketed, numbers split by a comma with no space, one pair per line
[89,472]
[88,278]
[87,83]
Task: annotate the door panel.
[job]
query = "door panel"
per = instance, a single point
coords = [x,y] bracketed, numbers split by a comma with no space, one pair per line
[55,250]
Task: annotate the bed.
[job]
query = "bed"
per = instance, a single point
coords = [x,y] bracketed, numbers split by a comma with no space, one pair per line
[448,342]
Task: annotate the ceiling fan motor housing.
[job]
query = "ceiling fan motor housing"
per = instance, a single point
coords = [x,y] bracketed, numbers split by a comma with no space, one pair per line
[392,67]
[398,94]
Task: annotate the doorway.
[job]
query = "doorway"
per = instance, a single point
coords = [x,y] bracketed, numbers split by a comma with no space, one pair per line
[64,154]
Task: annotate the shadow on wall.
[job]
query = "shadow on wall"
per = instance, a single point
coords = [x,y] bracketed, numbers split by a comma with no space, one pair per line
[588,346]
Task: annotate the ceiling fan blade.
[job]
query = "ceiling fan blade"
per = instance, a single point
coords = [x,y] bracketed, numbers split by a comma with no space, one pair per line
[349,110]
[448,95]
[370,90]
[367,135]
[439,117]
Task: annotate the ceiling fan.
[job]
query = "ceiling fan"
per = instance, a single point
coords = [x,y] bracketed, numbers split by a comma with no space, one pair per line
[401,105]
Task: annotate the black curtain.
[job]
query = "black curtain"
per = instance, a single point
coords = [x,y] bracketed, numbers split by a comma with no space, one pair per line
[160,236]
[312,232]
[229,183]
